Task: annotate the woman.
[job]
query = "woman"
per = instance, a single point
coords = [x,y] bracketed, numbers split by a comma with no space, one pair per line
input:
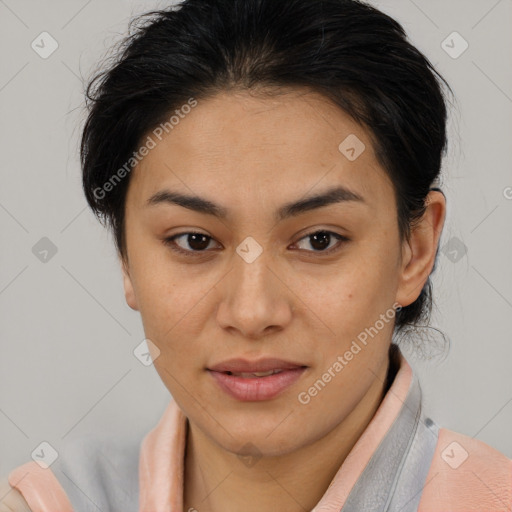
[269,171]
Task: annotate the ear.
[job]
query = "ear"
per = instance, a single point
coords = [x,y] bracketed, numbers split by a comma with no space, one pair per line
[418,254]
[129,292]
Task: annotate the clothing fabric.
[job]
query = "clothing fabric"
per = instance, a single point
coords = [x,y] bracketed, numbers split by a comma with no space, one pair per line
[403,462]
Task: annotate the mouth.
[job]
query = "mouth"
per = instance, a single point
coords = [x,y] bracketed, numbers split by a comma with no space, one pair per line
[239,366]
[250,375]
[257,386]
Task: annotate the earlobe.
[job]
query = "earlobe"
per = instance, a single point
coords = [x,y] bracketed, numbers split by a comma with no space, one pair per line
[420,250]
[129,292]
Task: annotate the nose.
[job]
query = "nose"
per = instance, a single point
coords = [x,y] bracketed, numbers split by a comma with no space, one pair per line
[255,300]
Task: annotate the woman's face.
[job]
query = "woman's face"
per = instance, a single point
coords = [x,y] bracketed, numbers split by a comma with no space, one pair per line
[260,284]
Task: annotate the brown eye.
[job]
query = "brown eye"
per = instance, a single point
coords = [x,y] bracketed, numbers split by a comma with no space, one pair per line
[192,242]
[320,240]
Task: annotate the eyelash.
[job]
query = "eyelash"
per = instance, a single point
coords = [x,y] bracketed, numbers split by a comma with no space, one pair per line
[194,254]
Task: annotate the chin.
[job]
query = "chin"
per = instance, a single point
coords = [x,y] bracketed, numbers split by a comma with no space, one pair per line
[255,441]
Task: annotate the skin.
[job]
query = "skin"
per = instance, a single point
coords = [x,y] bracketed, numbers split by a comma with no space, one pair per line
[251,155]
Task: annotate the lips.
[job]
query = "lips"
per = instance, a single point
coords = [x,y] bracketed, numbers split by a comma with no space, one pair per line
[257,388]
[253,368]
[259,380]
[249,375]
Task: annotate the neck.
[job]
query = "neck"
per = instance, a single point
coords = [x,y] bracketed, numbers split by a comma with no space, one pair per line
[218,480]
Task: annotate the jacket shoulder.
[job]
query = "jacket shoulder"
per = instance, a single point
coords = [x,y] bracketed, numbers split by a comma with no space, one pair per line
[39,487]
[467,474]
[101,468]
[11,500]
[94,467]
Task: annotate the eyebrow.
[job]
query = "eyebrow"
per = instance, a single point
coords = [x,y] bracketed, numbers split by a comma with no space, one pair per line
[335,195]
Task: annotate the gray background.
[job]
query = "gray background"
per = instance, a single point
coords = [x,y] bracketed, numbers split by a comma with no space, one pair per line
[67,336]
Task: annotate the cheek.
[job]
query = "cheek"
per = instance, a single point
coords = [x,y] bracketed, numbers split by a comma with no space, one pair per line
[350,299]
[172,307]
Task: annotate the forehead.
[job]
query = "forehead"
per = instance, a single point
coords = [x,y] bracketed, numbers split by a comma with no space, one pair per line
[284,145]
